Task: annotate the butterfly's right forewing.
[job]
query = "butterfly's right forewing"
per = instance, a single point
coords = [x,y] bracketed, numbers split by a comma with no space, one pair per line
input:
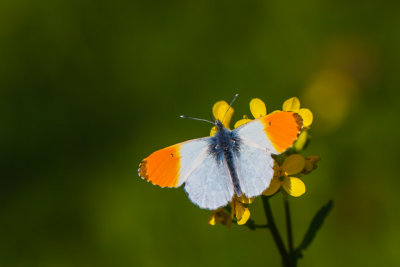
[171,166]
[275,132]
[207,180]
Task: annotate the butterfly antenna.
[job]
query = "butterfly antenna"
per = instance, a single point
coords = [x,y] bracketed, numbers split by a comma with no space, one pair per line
[197,119]
[230,105]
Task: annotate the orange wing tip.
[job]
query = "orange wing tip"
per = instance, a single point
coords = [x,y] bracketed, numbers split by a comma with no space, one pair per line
[154,181]
[143,170]
[299,121]
[162,167]
[282,129]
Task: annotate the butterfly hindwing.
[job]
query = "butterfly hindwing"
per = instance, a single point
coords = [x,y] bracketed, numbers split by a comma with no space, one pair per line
[255,169]
[210,186]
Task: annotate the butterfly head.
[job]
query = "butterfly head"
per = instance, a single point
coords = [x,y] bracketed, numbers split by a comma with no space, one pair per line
[225,139]
[219,125]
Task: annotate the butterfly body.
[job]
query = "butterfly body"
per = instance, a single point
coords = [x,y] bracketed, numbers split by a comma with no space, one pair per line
[215,168]
[225,145]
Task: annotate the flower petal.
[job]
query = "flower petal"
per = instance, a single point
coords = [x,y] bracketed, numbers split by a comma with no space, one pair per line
[211,220]
[294,186]
[241,122]
[257,108]
[242,213]
[273,187]
[301,141]
[245,217]
[220,216]
[213,130]
[307,116]
[277,170]
[292,104]
[221,112]
[293,164]
[243,199]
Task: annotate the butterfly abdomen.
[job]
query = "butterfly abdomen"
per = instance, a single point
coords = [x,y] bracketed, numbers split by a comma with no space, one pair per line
[224,146]
[232,171]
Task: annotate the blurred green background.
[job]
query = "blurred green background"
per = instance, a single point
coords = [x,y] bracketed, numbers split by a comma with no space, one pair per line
[89,88]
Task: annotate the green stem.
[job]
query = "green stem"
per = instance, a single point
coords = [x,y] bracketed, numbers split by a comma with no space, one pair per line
[275,233]
[288,223]
[261,225]
[292,255]
[252,225]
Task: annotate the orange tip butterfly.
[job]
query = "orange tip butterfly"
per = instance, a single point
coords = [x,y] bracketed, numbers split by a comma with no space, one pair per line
[215,168]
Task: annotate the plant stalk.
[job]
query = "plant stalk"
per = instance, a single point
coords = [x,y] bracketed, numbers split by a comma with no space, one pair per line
[275,233]
[288,223]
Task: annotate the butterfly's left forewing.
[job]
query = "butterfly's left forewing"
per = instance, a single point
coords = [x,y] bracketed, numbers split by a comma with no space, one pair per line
[207,180]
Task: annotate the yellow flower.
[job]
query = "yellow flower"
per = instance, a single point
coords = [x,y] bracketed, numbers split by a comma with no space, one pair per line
[293,104]
[243,199]
[257,108]
[240,209]
[223,113]
[220,216]
[293,164]
[311,163]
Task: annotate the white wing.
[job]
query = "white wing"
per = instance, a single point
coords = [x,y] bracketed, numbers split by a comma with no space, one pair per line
[275,132]
[207,181]
[209,185]
[271,134]
[255,169]
[253,133]
[171,166]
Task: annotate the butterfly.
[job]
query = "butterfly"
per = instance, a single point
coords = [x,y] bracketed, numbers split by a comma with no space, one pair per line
[232,162]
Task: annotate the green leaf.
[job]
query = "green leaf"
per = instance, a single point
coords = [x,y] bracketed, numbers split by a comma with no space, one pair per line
[315,225]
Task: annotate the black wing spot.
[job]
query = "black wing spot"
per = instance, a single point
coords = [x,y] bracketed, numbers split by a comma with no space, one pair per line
[143,170]
[269,123]
[172,155]
[299,121]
